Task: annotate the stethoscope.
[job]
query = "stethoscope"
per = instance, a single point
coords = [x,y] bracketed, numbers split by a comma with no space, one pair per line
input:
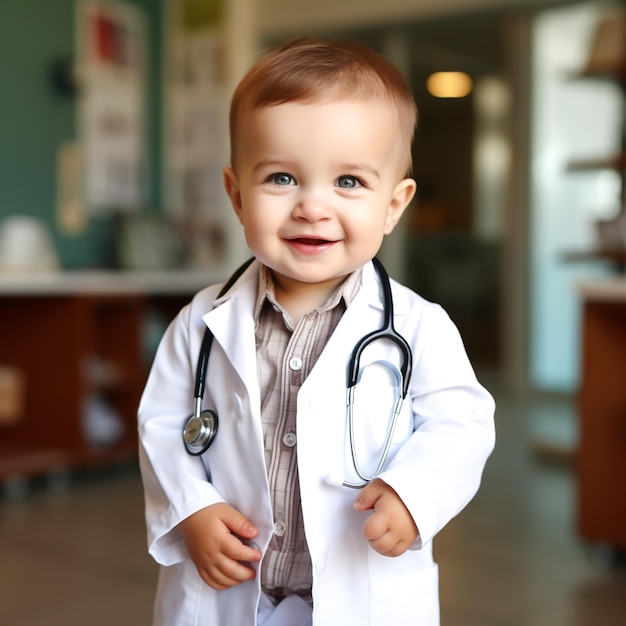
[201,428]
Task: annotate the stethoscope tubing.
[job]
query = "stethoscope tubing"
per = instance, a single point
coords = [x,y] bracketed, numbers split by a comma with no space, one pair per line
[386,331]
[205,422]
[207,342]
[388,436]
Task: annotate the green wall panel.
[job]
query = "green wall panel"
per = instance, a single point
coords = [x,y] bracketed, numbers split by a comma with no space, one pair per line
[36,118]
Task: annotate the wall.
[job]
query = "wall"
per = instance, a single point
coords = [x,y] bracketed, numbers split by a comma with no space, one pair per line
[278,16]
[573,120]
[35,118]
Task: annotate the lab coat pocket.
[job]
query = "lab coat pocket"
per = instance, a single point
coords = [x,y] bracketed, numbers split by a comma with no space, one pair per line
[179,594]
[406,598]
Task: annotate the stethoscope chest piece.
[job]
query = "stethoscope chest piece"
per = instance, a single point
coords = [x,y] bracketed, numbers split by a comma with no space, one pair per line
[199,432]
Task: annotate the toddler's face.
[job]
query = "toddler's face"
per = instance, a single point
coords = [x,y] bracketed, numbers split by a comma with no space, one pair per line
[317,186]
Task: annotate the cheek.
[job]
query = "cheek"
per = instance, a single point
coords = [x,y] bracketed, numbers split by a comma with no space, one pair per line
[368,228]
[258,226]
[252,228]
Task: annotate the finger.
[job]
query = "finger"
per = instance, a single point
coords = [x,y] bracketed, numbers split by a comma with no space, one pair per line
[238,550]
[388,543]
[213,577]
[239,524]
[400,548]
[227,573]
[368,496]
[391,547]
[382,545]
[236,571]
[234,521]
[374,527]
[217,581]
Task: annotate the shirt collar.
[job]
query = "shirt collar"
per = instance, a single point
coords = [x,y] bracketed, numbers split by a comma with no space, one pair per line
[347,290]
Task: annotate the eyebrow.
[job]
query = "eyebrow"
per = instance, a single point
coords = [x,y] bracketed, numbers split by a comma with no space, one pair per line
[359,167]
[270,163]
[348,167]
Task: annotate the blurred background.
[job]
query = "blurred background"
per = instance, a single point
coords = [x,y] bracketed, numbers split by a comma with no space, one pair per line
[113,136]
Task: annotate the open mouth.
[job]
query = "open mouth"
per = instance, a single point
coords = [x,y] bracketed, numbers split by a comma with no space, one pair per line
[309,241]
[311,245]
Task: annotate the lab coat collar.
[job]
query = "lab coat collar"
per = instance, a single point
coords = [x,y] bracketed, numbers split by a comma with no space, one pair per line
[233,317]
[232,322]
[371,282]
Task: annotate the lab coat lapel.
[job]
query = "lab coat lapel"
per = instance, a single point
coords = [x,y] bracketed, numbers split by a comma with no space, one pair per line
[362,316]
[330,371]
[232,323]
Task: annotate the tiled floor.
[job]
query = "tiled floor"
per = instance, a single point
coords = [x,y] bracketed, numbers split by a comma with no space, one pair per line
[513,557]
[77,556]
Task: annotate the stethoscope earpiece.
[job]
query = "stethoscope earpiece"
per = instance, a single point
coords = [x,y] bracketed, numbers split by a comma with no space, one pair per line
[199,432]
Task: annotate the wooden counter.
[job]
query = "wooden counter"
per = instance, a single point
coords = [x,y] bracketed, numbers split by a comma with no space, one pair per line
[80,283]
[77,336]
[602,402]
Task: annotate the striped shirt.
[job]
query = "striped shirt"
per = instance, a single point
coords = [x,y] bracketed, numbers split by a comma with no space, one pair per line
[286,353]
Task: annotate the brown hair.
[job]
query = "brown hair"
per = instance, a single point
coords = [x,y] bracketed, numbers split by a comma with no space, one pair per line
[306,69]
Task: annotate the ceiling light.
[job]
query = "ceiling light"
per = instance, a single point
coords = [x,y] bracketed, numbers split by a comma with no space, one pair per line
[449,84]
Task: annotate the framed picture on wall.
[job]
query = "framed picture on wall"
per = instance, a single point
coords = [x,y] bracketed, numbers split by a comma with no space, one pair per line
[112,111]
[195,129]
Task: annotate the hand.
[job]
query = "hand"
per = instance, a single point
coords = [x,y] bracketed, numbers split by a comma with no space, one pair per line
[390,529]
[215,537]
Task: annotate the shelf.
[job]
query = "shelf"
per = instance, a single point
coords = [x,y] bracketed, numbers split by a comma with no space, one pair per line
[101,283]
[20,460]
[600,460]
[95,455]
[28,461]
[607,58]
[602,71]
[616,163]
[71,347]
[614,256]
[605,290]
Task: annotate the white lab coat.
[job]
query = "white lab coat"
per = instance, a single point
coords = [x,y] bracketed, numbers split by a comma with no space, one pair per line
[443,438]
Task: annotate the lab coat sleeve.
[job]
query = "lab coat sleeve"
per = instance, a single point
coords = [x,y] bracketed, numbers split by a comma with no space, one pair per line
[438,470]
[175,483]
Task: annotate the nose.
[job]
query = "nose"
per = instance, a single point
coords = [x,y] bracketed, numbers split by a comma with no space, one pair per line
[311,207]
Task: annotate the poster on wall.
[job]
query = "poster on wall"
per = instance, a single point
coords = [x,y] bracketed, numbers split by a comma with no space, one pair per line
[196,124]
[112,116]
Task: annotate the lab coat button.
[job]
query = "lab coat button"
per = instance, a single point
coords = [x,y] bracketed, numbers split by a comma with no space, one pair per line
[289,440]
[279,529]
[295,363]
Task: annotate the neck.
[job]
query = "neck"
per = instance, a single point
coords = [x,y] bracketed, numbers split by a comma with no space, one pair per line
[299,298]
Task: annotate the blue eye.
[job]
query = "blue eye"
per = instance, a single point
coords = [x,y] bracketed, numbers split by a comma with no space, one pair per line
[282,179]
[348,182]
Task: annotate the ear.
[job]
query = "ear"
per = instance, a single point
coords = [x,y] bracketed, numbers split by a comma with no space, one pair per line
[231,184]
[402,195]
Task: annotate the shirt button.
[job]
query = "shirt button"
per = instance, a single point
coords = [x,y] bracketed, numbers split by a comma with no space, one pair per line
[289,440]
[295,363]
[279,529]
